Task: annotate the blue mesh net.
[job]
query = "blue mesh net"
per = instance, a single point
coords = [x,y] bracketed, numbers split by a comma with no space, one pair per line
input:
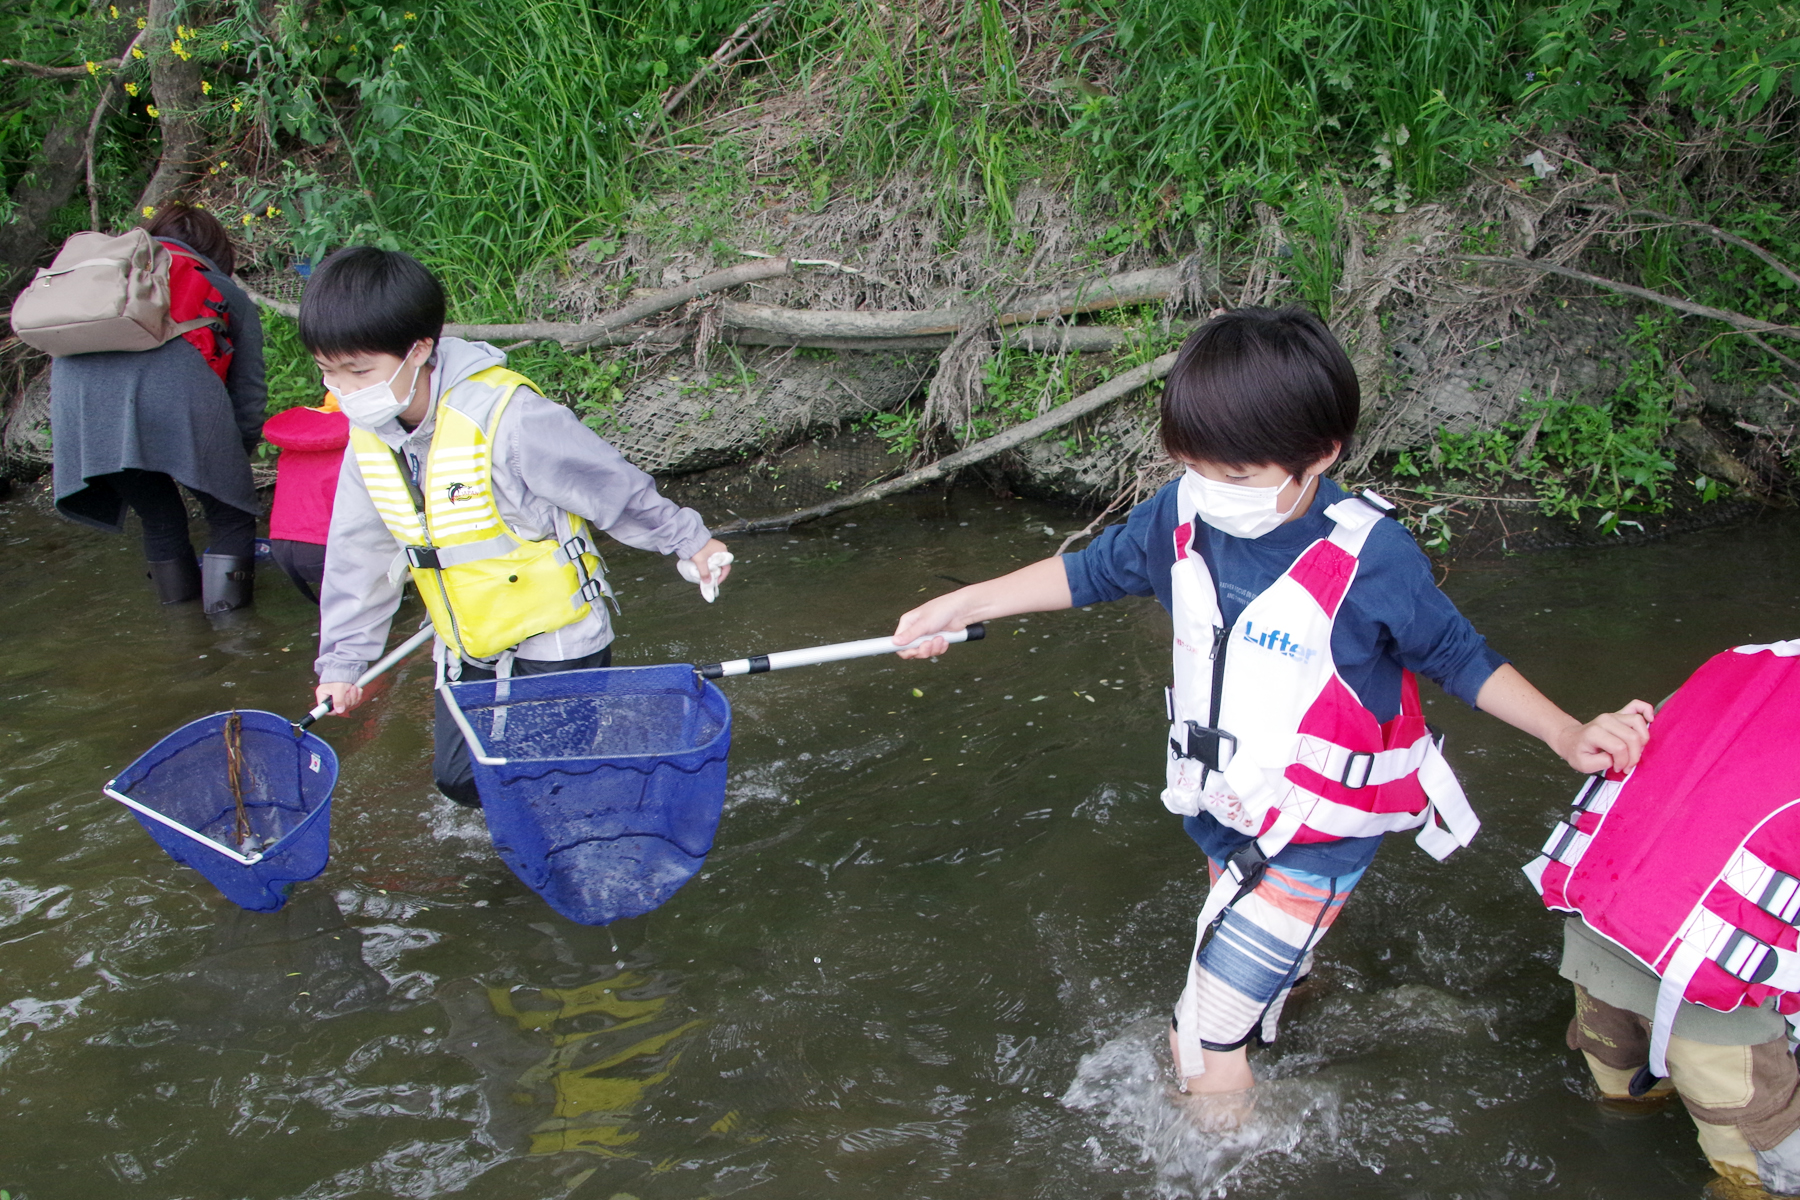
[612,786]
[286,782]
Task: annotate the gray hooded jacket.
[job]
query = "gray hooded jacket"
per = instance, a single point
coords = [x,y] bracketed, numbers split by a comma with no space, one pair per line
[543,460]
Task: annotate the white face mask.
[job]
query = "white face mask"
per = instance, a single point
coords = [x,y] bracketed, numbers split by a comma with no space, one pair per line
[1245,512]
[376,405]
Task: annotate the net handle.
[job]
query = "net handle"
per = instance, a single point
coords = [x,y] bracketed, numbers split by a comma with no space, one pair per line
[476,750]
[248,860]
[836,652]
[372,674]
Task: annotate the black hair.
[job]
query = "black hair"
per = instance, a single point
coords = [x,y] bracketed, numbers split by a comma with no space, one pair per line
[363,300]
[1260,385]
[197,228]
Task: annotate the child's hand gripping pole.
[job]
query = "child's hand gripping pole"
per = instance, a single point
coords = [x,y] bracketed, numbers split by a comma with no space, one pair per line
[373,673]
[836,652]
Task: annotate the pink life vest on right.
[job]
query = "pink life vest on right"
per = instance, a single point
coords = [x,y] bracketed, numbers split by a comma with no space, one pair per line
[1691,862]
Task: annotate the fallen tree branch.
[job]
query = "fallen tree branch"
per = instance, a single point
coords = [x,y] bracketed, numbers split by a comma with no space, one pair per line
[729,51]
[1723,236]
[1080,406]
[1038,339]
[44,72]
[1132,287]
[607,330]
[1736,320]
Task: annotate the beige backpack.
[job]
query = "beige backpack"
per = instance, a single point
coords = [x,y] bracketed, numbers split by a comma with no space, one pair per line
[101,293]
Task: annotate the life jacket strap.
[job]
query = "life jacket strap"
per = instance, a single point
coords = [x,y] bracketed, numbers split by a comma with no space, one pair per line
[1361,768]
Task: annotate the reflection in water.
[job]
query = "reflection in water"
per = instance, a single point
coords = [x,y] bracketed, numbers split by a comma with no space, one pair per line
[564,1068]
[266,977]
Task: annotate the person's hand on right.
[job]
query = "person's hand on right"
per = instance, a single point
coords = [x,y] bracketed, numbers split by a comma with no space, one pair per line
[343,696]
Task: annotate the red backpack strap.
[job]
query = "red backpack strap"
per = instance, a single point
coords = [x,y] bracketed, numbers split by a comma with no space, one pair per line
[193,296]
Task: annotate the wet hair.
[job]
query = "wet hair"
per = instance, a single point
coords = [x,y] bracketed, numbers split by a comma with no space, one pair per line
[362,300]
[1256,386]
[197,228]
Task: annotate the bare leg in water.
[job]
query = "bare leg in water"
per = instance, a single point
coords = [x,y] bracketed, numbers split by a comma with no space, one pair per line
[1219,1099]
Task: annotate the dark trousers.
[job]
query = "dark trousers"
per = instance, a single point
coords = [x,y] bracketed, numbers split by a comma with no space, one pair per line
[451,767]
[302,562]
[156,500]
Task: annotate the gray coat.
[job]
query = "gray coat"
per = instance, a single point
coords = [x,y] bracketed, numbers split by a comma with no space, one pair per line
[160,410]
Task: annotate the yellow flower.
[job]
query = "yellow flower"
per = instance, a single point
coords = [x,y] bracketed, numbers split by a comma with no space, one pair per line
[249,217]
[412,16]
[131,89]
[141,24]
[114,10]
[93,67]
[398,46]
[272,211]
[180,51]
[151,109]
[205,88]
[224,46]
[182,31]
[149,211]
[136,52]
[237,105]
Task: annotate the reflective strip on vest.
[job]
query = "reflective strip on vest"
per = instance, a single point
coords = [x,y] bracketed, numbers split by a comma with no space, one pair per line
[1308,758]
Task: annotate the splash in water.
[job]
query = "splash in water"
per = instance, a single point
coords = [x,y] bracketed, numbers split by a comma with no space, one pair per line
[1195,1149]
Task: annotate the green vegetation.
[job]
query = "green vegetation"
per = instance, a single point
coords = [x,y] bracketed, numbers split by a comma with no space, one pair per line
[489,136]
[491,139]
[1577,458]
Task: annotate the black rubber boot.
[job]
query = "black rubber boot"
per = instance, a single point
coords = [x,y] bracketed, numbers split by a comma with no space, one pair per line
[176,579]
[227,581]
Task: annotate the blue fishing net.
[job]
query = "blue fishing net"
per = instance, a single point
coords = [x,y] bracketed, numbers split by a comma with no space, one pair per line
[612,784]
[286,782]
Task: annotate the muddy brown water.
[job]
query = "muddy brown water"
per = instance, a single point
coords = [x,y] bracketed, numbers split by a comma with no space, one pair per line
[932,954]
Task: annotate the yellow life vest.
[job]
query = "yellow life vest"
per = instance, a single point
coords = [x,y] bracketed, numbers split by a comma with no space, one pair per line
[486,589]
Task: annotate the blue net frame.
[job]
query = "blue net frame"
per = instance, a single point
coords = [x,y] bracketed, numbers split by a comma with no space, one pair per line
[602,789]
[287,779]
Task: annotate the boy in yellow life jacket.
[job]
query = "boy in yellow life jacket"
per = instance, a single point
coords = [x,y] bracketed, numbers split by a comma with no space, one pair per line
[462,475]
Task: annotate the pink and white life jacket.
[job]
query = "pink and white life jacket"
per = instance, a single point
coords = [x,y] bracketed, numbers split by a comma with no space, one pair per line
[1691,861]
[1265,734]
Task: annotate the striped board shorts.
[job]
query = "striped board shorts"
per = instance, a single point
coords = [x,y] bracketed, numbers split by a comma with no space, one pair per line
[1239,979]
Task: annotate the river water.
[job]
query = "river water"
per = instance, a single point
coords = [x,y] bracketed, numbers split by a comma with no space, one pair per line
[932,955]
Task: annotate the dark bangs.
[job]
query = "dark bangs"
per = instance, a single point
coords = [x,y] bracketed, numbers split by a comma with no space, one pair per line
[1257,386]
[362,300]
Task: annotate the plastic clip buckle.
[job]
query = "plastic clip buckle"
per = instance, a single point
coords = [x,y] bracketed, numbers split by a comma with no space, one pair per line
[423,558]
[1213,748]
[575,547]
[1368,765]
[1750,966]
[590,590]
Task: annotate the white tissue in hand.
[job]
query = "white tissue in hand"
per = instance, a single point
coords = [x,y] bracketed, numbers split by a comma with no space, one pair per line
[709,588]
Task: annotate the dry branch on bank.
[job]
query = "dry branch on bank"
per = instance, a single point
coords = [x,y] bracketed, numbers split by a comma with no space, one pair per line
[1080,406]
[748,323]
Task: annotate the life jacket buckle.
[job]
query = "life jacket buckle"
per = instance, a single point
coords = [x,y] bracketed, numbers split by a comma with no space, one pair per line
[1350,769]
[1213,748]
[1753,963]
[590,590]
[423,558]
[575,547]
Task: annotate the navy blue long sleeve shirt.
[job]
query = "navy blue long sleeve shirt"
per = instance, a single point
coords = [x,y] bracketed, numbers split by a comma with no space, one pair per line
[1393,618]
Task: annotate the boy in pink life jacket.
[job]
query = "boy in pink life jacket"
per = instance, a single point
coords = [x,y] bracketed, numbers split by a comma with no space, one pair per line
[312,442]
[1301,613]
[1684,881]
